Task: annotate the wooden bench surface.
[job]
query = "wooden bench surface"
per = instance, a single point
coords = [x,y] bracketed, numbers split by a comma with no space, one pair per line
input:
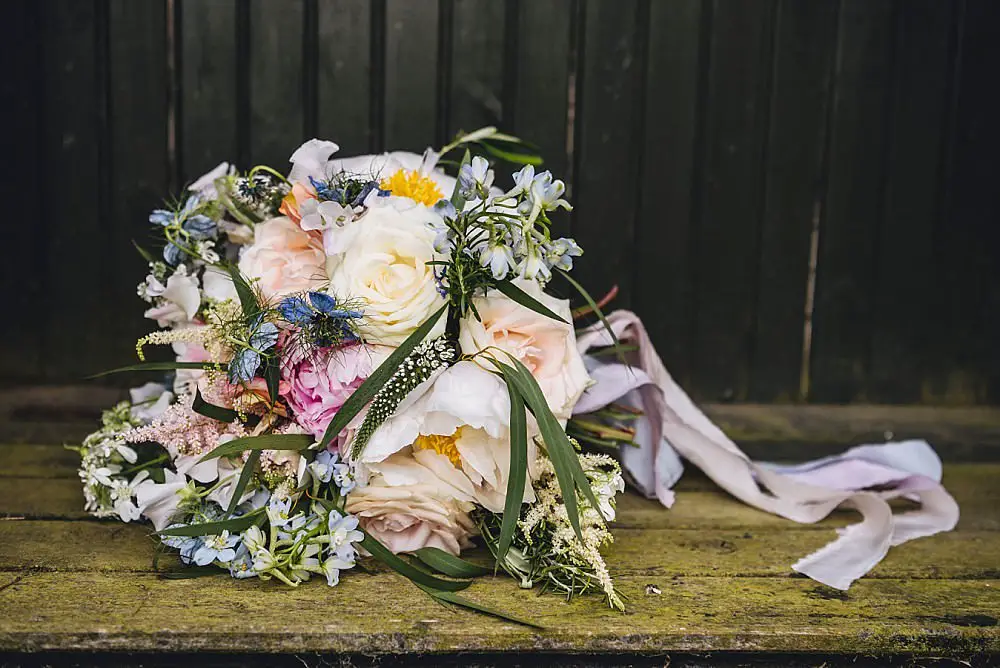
[721,570]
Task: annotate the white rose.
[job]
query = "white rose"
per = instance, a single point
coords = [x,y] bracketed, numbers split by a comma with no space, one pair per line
[545,346]
[382,261]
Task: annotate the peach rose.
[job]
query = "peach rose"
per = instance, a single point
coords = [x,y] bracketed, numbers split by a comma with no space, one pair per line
[545,346]
[284,259]
[405,518]
[292,202]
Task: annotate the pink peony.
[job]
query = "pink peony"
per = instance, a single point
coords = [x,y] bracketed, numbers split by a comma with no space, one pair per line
[318,385]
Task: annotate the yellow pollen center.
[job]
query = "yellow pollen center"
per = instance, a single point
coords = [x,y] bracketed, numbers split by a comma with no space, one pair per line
[443,445]
[413,184]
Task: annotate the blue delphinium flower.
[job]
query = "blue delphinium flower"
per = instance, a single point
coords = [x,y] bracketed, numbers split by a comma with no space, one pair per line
[247,360]
[216,548]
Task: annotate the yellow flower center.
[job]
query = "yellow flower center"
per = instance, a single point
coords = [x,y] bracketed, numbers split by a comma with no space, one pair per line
[443,445]
[413,184]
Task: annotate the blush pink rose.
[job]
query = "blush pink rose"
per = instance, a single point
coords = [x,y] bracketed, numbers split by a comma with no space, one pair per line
[318,385]
[284,259]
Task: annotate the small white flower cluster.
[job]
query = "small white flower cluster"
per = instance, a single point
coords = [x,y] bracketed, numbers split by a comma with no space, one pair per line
[107,488]
[508,233]
[547,540]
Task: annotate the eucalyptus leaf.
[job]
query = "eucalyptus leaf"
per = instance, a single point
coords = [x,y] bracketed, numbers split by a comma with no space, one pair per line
[518,470]
[262,442]
[361,396]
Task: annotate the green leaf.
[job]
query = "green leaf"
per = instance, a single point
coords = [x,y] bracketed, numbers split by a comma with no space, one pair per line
[456,196]
[213,528]
[510,156]
[456,599]
[450,565]
[408,570]
[161,366]
[202,407]
[272,376]
[524,299]
[248,299]
[262,442]
[146,255]
[248,470]
[600,314]
[361,396]
[518,470]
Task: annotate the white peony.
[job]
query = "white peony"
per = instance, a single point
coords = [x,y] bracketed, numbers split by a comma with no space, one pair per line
[545,346]
[381,260]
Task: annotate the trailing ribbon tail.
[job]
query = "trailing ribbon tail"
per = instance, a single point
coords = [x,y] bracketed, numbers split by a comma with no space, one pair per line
[804,493]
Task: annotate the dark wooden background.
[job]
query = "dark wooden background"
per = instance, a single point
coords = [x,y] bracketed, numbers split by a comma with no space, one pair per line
[716,150]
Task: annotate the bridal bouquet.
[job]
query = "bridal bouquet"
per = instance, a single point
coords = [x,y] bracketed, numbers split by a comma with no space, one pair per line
[368,363]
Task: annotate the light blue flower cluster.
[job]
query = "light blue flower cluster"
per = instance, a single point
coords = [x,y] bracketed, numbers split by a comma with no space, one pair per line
[190,235]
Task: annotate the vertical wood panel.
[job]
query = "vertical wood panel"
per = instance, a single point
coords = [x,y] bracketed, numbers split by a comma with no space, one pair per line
[22,276]
[76,242]
[475,95]
[854,202]
[541,78]
[608,112]
[903,314]
[277,80]
[345,73]
[208,109]
[139,177]
[968,239]
[726,255]
[664,290]
[803,67]
[411,72]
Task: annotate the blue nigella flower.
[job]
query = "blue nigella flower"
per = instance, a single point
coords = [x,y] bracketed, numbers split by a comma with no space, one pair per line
[246,362]
[319,316]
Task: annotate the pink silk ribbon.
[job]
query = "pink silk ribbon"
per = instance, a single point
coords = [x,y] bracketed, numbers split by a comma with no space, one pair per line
[863,478]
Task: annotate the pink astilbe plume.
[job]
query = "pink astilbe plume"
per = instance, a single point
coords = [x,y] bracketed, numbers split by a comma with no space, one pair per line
[182,431]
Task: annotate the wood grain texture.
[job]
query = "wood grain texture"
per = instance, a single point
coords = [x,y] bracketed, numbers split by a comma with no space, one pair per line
[411,75]
[345,75]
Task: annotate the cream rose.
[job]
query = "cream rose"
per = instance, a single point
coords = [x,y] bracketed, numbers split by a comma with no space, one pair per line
[381,259]
[545,346]
[405,518]
[283,258]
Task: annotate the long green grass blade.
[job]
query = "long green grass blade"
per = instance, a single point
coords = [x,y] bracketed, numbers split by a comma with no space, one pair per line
[417,576]
[518,470]
[248,300]
[161,366]
[516,157]
[450,565]
[262,442]
[526,300]
[361,396]
[456,599]
[600,314]
[248,470]
[213,528]
[202,407]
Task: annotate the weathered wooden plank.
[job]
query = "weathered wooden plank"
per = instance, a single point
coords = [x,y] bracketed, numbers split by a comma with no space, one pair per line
[141,613]
[115,547]
[411,75]
[344,86]
[75,139]
[38,461]
[608,112]
[138,154]
[967,236]
[903,316]
[477,66]
[853,202]
[542,85]
[664,293]
[209,110]
[726,256]
[21,88]
[277,80]
[803,67]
